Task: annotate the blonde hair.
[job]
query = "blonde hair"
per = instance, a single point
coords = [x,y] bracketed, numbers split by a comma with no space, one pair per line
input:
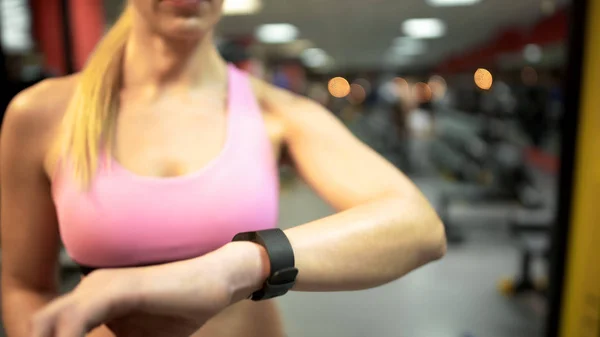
[89,122]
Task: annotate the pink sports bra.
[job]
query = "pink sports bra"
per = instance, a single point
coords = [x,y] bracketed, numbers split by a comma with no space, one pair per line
[125,219]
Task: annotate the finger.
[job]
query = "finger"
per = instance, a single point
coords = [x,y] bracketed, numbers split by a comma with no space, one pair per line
[87,314]
[70,323]
[41,326]
[68,316]
[43,322]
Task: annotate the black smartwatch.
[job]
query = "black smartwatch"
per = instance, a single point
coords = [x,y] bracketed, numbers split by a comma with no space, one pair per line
[281,256]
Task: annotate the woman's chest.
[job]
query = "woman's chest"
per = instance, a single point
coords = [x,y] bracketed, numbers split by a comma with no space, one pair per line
[138,215]
[184,140]
[125,220]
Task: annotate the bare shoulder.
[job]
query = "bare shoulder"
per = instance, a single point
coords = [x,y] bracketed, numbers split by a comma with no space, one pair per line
[40,106]
[32,117]
[278,100]
[298,114]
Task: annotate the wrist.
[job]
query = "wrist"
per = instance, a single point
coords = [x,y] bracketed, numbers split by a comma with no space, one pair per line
[248,267]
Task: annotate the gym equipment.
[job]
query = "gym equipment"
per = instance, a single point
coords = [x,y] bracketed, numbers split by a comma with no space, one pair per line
[457,146]
[484,153]
[532,234]
[374,128]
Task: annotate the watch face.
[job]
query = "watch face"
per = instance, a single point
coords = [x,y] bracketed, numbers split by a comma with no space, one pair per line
[283,276]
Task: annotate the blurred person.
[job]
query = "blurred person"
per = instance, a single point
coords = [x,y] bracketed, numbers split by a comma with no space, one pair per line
[531,109]
[401,106]
[388,121]
[420,127]
[281,79]
[419,122]
[555,101]
[153,158]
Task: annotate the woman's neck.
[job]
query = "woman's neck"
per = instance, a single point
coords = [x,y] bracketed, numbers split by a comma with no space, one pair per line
[154,63]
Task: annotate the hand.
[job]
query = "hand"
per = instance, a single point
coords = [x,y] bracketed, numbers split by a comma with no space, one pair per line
[193,290]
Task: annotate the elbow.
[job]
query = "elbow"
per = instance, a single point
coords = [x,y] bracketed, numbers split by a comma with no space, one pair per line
[426,231]
[430,242]
[437,245]
[433,232]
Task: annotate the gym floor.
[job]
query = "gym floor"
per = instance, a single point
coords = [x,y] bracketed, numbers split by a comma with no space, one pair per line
[455,297]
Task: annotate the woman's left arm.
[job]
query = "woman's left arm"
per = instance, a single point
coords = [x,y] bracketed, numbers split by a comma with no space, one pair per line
[385,227]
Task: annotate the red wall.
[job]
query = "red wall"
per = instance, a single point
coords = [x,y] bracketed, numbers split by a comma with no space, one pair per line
[87,23]
[47,30]
[549,30]
[87,27]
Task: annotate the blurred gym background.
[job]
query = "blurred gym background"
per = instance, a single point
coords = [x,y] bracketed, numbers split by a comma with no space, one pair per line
[464,96]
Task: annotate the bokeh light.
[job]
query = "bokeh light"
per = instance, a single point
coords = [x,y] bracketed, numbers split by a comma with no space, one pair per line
[339,87]
[401,87]
[529,76]
[365,84]
[483,79]
[314,57]
[357,94]
[422,92]
[532,53]
[438,86]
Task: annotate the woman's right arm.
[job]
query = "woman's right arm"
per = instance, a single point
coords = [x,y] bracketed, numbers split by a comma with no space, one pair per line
[30,240]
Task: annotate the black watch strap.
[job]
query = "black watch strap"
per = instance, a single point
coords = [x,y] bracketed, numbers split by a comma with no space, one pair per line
[281,256]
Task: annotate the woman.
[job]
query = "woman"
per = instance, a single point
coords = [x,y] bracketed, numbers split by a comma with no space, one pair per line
[163,153]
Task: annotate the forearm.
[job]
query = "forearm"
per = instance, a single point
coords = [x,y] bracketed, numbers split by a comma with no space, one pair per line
[18,307]
[366,246]
[360,248]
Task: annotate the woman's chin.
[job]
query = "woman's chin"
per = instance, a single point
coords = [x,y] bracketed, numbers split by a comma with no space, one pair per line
[187,29]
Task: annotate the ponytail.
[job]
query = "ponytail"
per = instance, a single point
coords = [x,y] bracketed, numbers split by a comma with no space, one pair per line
[89,122]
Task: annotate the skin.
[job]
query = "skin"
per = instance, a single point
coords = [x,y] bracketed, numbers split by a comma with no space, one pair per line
[384,229]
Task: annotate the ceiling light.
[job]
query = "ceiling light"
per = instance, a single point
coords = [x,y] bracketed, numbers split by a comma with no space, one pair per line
[424,28]
[532,53]
[314,57]
[277,33]
[241,7]
[15,21]
[448,3]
